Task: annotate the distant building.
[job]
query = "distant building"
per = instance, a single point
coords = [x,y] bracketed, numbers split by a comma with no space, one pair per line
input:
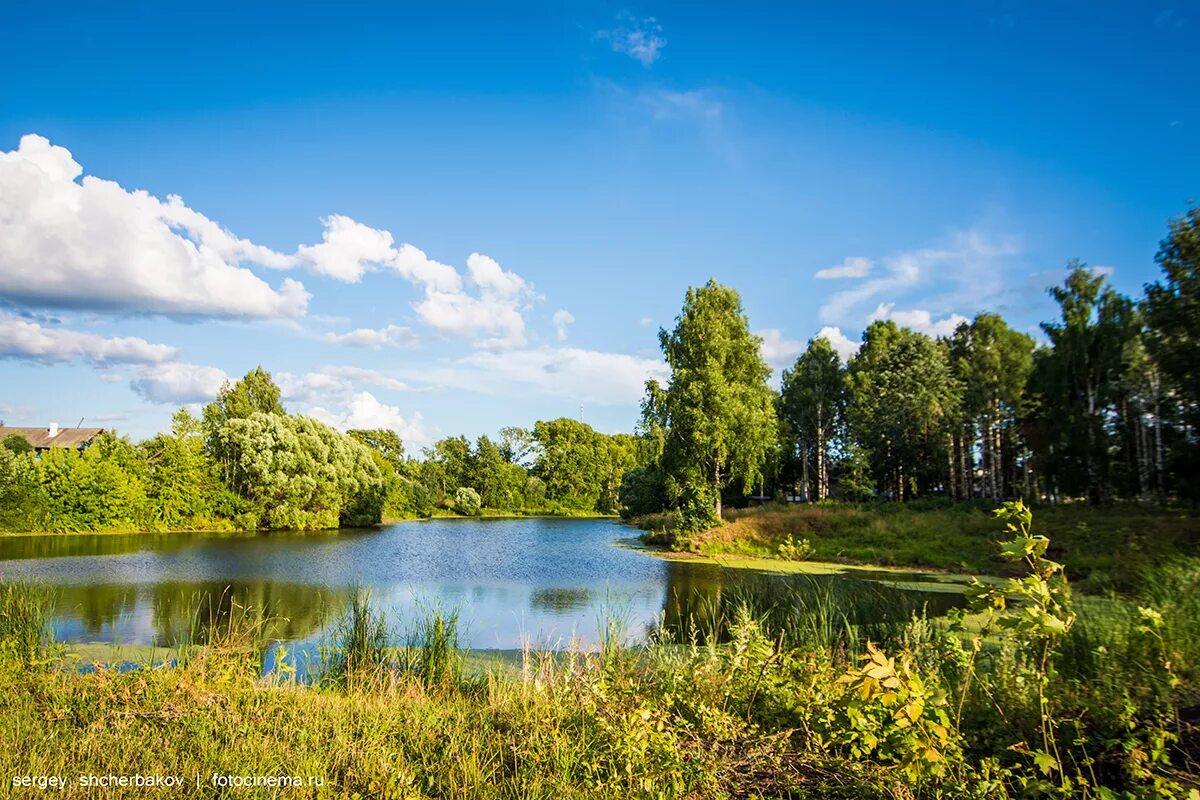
[43,439]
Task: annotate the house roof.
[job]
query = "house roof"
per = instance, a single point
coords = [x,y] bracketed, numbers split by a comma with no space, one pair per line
[40,437]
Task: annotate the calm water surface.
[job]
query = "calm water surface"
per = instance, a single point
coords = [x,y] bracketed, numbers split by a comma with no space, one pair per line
[545,582]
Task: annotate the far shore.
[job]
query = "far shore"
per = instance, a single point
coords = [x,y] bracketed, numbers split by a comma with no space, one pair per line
[245,532]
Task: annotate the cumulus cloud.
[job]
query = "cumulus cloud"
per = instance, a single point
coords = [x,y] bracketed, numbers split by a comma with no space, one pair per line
[493,312]
[851,267]
[842,344]
[84,242]
[487,303]
[330,395]
[364,410]
[563,319]
[348,249]
[638,38]
[777,350]
[176,382]
[390,336]
[89,243]
[918,319]
[23,339]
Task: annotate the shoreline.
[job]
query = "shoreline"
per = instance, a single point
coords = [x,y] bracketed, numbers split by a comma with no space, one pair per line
[326,531]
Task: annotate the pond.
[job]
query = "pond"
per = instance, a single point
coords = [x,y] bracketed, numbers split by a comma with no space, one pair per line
[515,582]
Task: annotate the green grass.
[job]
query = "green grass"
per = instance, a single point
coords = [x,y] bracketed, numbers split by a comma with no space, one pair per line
[760,695]
[1106,548]
[760,714]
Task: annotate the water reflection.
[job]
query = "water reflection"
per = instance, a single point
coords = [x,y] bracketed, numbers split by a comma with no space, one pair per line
[702,600]
[175,613]
[541,582]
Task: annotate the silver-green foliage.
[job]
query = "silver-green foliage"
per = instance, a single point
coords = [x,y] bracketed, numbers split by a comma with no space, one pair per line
[297,473]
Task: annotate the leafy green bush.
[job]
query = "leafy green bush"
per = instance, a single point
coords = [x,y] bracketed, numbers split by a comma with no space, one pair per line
[297,473]
[467,502]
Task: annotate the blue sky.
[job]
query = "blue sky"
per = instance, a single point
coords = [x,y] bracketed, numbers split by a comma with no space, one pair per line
[512,199]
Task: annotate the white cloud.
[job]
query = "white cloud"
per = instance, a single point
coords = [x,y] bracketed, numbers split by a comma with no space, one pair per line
[562,320]
[638,38]
[918,319]
[851,267]
[29,340]
[90,243]
[581,375]
[486,304]
[329,395]
[968,268]
[176,382]
[646,321]
[369,376]
[363,410]
[348,249]
[415,266]
[842,344]
[495,308]
[778,351]
[390,336]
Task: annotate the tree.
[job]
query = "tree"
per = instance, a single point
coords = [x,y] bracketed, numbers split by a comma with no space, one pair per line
[903,400]
[1089,342]
[296,473]
[516,444]
[572,462]
[993,363]
[179,476]
[447,465]
[386,443]
[812,404]
[256,392]
[16,443]
[100,488]
[486,473]
[1172,308]
[717,411]
[23,501]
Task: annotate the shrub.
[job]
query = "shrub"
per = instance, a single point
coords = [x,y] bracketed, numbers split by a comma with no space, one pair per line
[467,502]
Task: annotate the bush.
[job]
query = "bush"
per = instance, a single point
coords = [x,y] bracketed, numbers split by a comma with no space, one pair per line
[23,503]
[467,502]
[15,443]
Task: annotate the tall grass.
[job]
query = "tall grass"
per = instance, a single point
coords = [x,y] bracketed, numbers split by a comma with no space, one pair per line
[432,651]
[25,613]
[359,650]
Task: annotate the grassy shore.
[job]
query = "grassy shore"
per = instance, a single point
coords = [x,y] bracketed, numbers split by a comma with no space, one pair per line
[441,513]
[1104,548]
[800,706]
[780,696]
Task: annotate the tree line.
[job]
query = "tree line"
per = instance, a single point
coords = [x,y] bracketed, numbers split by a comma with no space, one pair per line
[1105,408]
[246,464]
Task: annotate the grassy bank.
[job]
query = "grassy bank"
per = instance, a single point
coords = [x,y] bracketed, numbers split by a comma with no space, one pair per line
[1112,547]
[500,513]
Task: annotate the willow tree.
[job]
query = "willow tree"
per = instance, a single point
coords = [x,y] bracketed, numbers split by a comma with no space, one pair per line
[716,411]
